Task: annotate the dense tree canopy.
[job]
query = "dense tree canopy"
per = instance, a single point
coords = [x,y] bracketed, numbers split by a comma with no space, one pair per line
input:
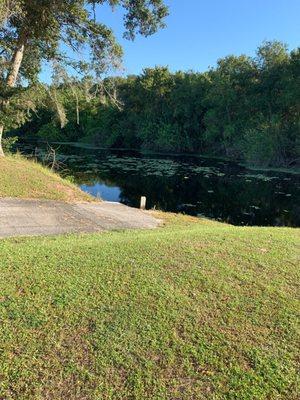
[33,31]
[244,108]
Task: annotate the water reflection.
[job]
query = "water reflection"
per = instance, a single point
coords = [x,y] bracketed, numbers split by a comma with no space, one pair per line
[197,186]
[102,191]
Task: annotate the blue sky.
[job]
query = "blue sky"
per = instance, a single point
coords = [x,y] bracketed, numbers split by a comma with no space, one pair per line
[199,32]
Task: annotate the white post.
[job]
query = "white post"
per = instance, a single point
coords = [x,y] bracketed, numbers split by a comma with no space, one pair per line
[143,203]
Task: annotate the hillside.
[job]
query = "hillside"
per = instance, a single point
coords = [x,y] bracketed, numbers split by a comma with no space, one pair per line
[22,178]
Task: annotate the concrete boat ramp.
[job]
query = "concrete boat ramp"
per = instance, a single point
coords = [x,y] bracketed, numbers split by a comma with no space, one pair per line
[20,217]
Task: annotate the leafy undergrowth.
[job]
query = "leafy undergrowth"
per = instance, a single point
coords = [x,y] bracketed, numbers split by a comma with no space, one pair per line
[192,310]
[27,179]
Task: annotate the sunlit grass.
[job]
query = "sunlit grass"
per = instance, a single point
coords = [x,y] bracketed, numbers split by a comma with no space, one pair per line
[193,310]
[22,178]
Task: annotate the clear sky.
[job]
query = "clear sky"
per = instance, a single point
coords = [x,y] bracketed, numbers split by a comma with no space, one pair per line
[199,32]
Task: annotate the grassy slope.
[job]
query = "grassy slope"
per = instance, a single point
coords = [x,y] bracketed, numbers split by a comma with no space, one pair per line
[26,179]
[194,310]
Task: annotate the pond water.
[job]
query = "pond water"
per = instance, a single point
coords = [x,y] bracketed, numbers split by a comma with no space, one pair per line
[216,189]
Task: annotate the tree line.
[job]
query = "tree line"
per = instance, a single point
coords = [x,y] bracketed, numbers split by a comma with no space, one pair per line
[59,32]
[246,108]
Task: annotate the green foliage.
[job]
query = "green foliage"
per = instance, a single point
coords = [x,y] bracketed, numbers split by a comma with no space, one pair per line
[8,144]
[21,106]
[50,132]
[43,26]
[245,109]
[261,146]
[34,31]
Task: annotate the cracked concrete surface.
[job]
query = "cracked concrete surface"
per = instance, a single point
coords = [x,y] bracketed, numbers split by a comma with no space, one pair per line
[20,217]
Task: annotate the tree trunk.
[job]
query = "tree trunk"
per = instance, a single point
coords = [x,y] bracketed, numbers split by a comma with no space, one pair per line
[73,89]
[12,78]
[77,111]
[77,104]
[1,133]
[16,63]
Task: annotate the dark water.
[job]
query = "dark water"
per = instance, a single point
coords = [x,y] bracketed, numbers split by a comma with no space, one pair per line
[197,186]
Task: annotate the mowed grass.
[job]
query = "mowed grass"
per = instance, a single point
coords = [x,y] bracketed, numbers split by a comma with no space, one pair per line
[193,310]
[29,180]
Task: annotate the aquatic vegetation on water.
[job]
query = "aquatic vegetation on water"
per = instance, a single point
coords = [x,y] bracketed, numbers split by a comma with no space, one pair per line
[261,177]
[220,190]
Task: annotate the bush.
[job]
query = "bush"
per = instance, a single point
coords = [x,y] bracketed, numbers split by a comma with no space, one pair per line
[50,132]
[259,147]
[9,143]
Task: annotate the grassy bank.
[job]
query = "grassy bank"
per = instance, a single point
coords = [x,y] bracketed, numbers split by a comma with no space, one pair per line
[193,310]
[27,179]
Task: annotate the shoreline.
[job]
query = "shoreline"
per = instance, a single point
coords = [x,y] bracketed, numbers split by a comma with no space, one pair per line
[292,170]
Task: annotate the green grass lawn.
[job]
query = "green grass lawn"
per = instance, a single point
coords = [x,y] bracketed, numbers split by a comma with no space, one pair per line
[22,178]
[193,310]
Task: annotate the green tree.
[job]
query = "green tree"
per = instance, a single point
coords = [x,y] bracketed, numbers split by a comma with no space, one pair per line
[247,108]
[228,102]
[32,31]
[272,138]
